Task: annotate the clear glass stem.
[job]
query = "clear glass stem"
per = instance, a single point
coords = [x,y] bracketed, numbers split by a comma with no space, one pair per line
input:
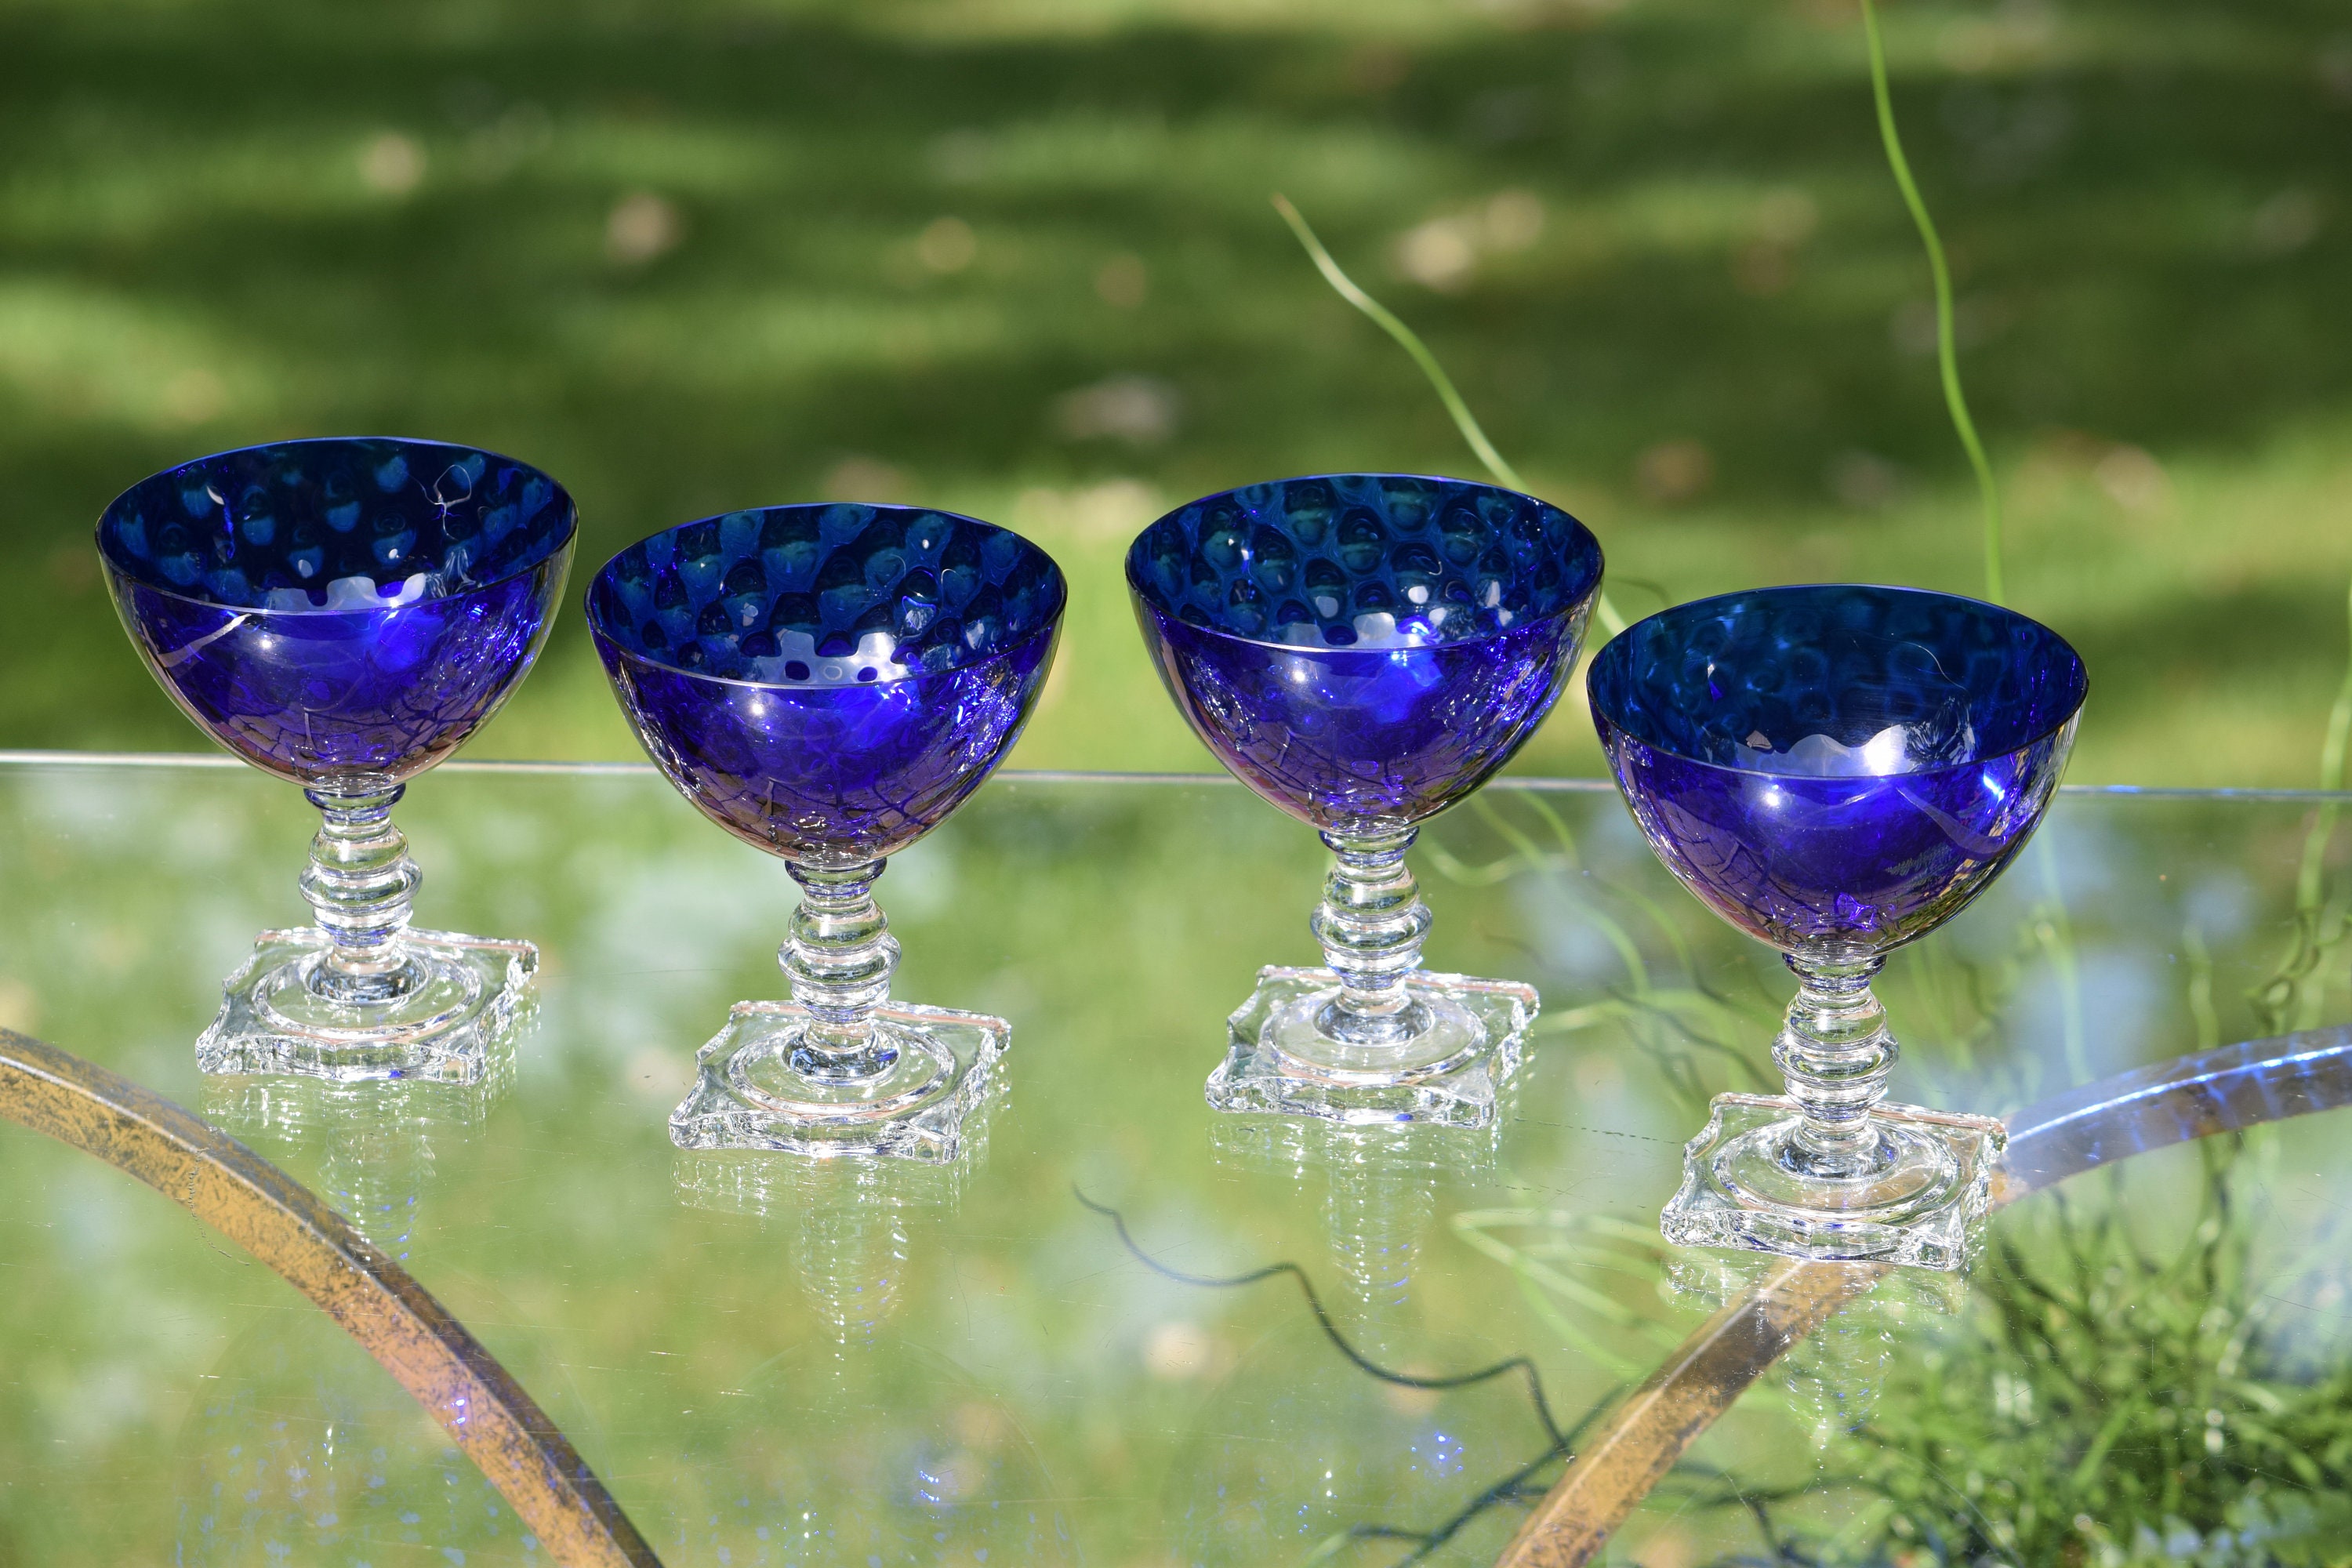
[360,885]
[1372,923]
[1836,1052]
[838,961]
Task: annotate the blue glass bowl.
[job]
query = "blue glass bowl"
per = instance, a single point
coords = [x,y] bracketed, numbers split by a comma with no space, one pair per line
[828,682]
[344,614]
[1836,768]
[340,610]
[1364,649]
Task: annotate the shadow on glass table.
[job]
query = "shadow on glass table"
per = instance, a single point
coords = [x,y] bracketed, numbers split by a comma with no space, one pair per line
[1073,1345]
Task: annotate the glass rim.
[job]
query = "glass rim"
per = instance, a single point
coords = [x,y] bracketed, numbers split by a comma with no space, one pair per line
[559,547]
[2041,736]
[1579,601]
[1050,625]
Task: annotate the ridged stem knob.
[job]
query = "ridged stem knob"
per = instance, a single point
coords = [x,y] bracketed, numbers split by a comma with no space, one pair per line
[1836,1052]
[1372,923]
[838,961]
[359,885]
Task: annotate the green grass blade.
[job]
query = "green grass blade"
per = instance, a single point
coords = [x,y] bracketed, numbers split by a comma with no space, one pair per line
[1947,357]
[2331,777]
[2283,995]
[1389,322]
[2055,933]
[2200,987]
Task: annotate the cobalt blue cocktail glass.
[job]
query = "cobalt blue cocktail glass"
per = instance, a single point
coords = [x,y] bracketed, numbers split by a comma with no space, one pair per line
[1364,650]
[343,614]
[1836,771]
[829,683]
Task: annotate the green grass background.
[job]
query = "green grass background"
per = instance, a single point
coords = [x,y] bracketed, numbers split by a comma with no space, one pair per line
[690,256]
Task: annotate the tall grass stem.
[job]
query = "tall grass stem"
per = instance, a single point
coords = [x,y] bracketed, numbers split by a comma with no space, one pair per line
[2331,778]
[1947,357]
[1389,322]
[2318,923]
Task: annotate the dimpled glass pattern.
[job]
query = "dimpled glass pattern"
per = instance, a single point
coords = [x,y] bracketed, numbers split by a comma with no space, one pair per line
[338,609]
[829,683]
[1364,650]
[1709,713]
[344,614]
[1836,770]
[826,595]
[1369,560]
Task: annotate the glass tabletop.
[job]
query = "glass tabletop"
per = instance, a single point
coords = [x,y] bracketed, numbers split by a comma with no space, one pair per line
[1123,1329]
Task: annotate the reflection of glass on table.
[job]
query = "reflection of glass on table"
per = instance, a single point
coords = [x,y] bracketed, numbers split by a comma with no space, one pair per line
[675,1344]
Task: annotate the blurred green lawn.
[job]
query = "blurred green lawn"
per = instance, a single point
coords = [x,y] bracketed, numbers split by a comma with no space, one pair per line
[1015,257]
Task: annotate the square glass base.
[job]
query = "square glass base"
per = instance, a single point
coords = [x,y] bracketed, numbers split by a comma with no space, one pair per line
[467,997]
[747,1095]
[1454,1073]
[1927,1226]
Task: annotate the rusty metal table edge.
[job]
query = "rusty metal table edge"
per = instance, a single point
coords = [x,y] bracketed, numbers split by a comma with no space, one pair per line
[496,1423]
[285,1226]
